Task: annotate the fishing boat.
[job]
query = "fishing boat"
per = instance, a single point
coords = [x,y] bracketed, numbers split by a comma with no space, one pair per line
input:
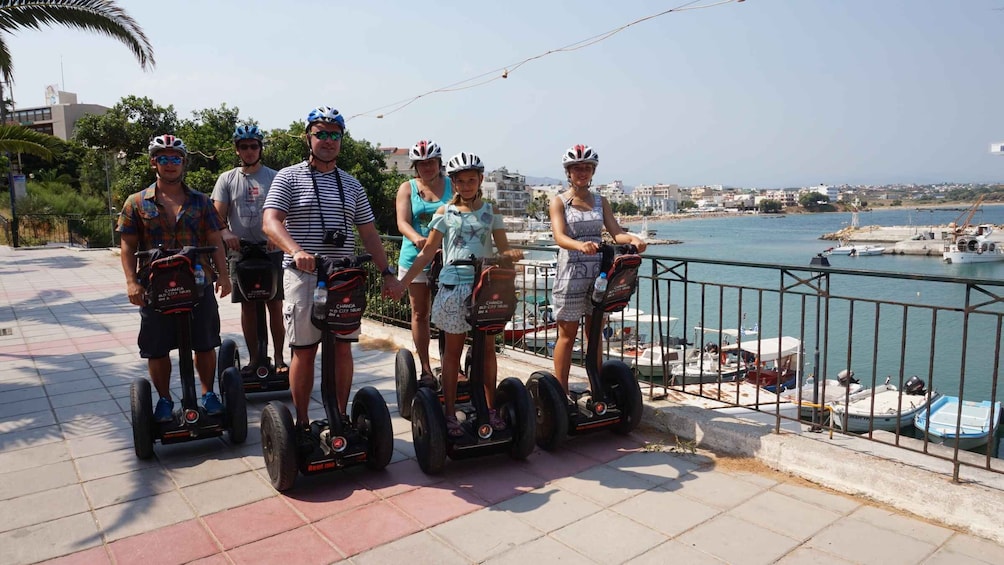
[530,319]
[883,408]
[809,396]
[978,421]
[973,247]
[773,363]
[536,274]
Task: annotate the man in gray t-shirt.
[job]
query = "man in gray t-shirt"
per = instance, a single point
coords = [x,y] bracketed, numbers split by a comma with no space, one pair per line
[238,197]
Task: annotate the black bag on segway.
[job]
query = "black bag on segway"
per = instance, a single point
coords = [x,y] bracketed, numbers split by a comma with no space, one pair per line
[256,275]
[170,284]
[435,267]
[346,300]
[622,277]
[492,303]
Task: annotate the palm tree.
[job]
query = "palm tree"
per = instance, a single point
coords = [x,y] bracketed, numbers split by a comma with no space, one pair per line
[18,139]
[101,16]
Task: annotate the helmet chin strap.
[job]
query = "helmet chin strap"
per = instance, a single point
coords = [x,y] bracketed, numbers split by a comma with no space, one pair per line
[253,163]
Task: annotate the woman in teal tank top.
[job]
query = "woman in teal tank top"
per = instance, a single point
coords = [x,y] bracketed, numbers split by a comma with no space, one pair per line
[416,203]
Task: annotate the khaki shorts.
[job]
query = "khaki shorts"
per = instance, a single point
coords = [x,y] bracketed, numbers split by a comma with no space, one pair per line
[298,287]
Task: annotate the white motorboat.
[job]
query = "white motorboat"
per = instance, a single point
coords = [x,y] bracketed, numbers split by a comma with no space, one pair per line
[883,408]
[828,392]
[536,274]
[856,250]
[974,247]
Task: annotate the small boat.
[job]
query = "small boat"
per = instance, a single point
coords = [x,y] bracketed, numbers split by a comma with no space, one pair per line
[773,362]
[856,250]
[830,391]
[883,408]
[979,419]
[536,274]
[529,320]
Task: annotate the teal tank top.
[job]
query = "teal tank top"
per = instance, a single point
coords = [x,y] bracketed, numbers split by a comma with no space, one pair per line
[421,214]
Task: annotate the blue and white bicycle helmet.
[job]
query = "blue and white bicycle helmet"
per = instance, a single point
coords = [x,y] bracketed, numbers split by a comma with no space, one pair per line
[248,132]
[167,141]
[464,162]
[325,114]
[580,154]
[424,150]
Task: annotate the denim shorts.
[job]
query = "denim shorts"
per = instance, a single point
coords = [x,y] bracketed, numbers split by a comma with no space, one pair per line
[449,311]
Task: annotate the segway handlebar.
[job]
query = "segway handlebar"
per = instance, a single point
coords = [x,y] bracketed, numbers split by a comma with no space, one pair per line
[190,250]
[345,262]
[473,261]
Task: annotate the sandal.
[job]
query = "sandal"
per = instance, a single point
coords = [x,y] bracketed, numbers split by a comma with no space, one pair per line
[496,421]
[281,368]
[453,427]
[427,380]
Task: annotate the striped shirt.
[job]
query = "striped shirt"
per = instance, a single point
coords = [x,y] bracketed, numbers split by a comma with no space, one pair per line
[292,192]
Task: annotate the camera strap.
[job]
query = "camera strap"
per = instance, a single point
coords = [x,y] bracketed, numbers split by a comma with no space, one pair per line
[341,196]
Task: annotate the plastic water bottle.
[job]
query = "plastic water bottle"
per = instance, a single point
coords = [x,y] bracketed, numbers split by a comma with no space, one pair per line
[200,276]
[321,301]
[599,287]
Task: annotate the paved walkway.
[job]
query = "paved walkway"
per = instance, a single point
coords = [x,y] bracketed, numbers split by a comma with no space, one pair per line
[72,490]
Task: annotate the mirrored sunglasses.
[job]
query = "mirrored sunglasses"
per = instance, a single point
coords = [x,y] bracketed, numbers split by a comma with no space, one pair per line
[326,135]
[169,160]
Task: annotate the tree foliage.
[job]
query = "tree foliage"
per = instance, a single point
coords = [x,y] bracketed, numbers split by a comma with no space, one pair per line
[771,206]
[812,200]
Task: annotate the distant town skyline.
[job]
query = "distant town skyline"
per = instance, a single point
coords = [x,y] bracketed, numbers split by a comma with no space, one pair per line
[763,93]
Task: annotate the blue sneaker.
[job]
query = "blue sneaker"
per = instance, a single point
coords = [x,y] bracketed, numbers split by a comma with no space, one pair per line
[164,412]
[212,404]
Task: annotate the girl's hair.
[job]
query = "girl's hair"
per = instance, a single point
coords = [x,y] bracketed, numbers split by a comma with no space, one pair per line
[457,199]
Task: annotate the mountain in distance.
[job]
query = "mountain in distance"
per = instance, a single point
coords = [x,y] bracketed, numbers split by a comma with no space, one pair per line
[537,181]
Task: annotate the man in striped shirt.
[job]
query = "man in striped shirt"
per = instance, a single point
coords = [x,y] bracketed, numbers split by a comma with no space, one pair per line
[312,208]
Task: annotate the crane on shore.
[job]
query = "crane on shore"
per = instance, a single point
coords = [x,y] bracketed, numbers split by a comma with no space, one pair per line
[959,229]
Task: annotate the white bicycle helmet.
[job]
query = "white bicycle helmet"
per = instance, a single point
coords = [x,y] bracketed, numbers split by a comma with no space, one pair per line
[167,141]
[580,154]
[424,150]
[325,114]
[464,162]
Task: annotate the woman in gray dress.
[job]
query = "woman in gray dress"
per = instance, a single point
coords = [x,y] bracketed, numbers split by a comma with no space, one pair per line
[578,217]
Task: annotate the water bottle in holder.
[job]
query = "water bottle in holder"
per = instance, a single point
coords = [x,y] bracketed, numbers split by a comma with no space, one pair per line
[200,276]
[321,301]
[599,288]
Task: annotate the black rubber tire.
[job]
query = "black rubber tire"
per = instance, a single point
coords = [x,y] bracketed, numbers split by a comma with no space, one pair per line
[235,406]
[428,431]
[229,356]
[406,381]
[513,402]
[620,386]
[371,419]
[552,412]
[142,418]
[278,445]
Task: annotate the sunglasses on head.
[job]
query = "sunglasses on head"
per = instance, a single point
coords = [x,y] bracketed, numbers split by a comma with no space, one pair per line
[326,135]
[169,160]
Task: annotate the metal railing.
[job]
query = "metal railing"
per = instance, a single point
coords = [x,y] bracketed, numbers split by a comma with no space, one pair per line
[84,230]
[775,339]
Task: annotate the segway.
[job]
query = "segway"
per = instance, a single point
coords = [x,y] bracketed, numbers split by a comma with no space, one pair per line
[256,275]
[337,441]
[491,305]
[171,289]
[613,399]
[405,373]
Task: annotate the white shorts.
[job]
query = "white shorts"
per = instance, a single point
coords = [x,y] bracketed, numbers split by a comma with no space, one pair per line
[299,289]
[449,311]
[422,278]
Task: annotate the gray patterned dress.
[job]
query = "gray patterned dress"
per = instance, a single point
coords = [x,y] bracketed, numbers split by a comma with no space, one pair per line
[576,270]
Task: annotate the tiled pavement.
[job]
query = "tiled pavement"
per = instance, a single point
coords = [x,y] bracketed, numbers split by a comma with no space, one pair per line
[71,489]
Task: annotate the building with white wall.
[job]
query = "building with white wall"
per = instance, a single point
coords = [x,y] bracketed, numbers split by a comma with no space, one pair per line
[58,117]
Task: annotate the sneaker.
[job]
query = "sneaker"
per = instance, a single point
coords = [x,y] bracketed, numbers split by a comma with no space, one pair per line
[212,404]
[428,381]
[495,420]
[164,411]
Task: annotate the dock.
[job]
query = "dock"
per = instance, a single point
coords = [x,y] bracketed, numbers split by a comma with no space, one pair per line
[903,240]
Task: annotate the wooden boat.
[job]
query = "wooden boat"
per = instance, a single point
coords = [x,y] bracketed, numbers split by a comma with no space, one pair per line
[883,408]
[978,421]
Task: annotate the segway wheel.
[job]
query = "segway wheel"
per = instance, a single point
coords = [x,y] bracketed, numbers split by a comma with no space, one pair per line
[428,431]
[278,445]
[552,414]
[228,357]
[371,419]
[513,401]
[406,380]
[619,384]
[142,418]
[235,406]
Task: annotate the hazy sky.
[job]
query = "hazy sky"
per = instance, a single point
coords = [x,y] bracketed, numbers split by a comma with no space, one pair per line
[764,93]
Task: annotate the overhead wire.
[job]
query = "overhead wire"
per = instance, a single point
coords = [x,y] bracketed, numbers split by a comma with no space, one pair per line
[505,71]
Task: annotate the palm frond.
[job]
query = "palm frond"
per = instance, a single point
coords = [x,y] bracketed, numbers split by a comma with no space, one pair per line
[19,139]
[101,16]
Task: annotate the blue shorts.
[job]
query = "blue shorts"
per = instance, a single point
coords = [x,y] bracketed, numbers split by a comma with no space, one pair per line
[158,334]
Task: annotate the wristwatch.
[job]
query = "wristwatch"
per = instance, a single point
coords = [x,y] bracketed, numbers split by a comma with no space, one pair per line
[390,270]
